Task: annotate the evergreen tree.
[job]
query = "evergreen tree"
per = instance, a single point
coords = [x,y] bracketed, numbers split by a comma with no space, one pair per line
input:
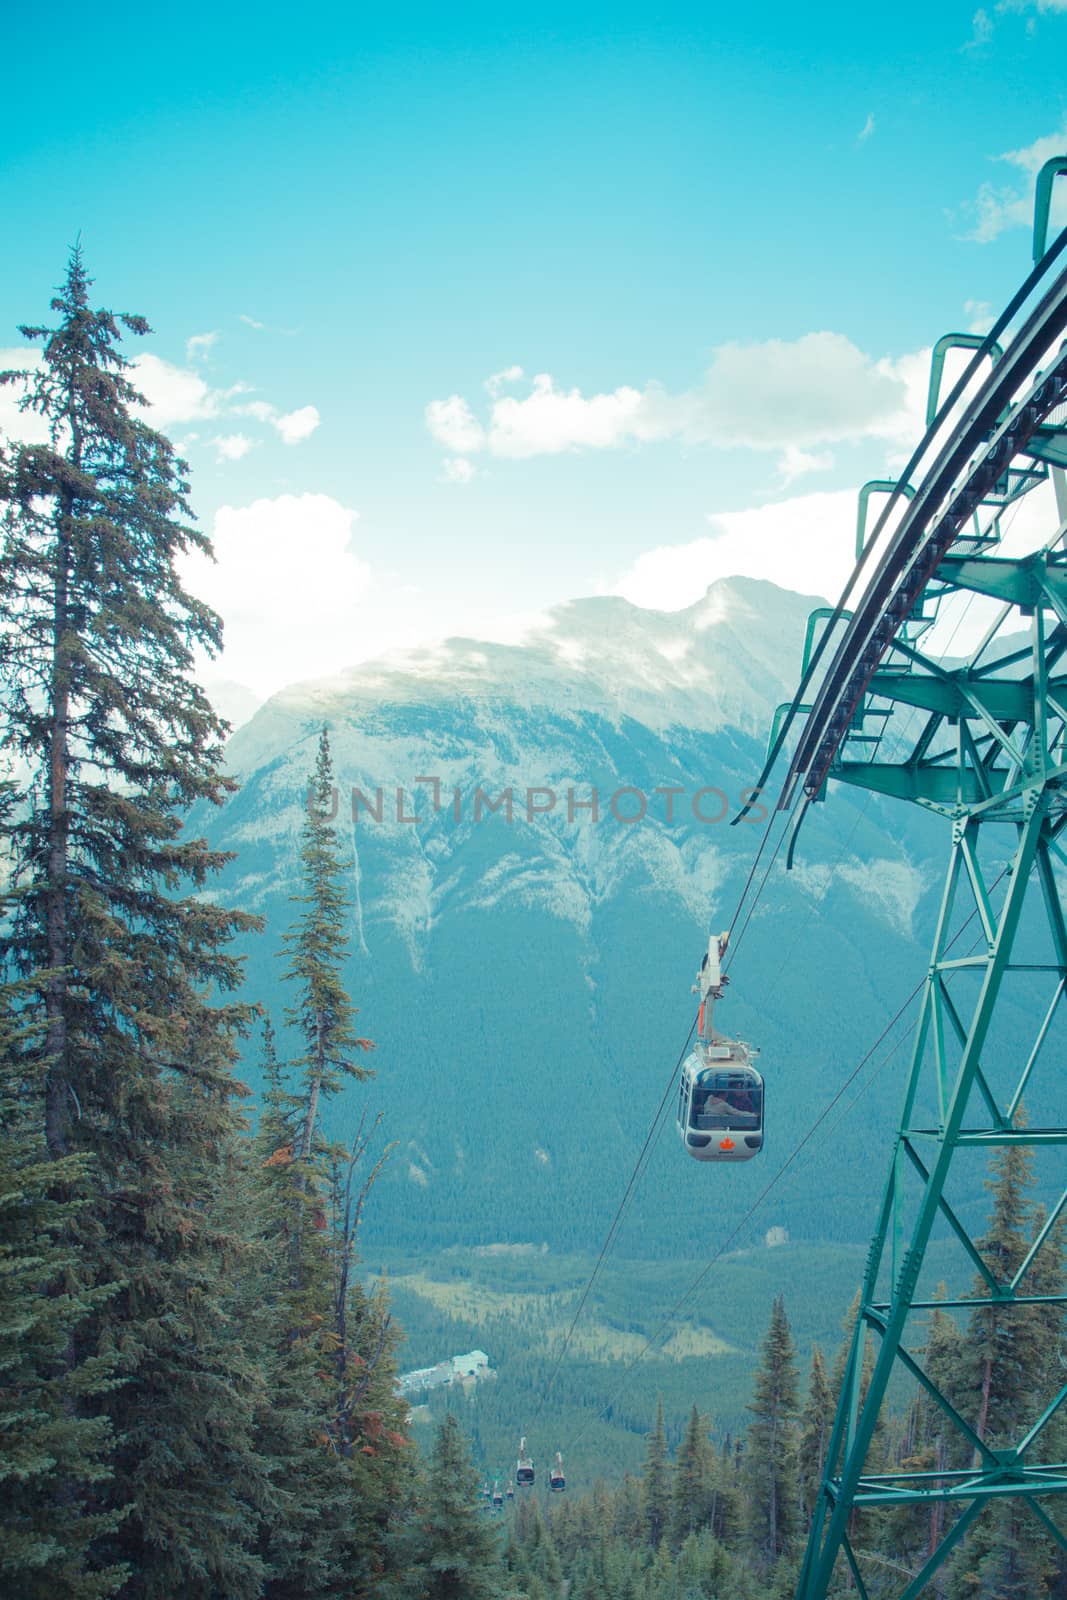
[323,1014]
[655,1489]
[121,947]
[459,1555]
[816,1425]
[770,1457]
[1009,1372]
[50,1457]
[929,1442]
[330,1423]
[727,1519]
[690,1493]
[298,1536]
[1004,1353]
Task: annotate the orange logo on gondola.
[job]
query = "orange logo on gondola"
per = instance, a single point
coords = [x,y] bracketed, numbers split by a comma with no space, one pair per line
[726,1144]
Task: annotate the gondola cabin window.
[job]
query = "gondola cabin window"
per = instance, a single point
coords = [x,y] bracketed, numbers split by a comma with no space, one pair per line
[726,1100]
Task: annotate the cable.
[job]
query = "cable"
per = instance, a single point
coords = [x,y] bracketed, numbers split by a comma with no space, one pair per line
[753,1208]
[755,864]
[612,1230]
[656,1127]
[783,1169]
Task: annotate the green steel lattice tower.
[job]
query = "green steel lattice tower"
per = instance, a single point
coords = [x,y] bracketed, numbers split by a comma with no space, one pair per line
[975,528]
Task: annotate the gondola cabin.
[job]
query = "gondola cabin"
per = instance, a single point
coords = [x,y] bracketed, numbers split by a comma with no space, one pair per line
[524,1467]
[720,1102]
[498,1497]
[556,1481]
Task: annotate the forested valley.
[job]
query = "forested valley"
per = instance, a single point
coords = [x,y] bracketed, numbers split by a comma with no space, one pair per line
[197,1386]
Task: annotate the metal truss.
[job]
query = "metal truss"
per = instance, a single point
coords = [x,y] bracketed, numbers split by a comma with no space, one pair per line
[984,744]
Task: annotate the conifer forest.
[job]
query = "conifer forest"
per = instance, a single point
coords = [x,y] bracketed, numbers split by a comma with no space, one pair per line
[533,801]
[198,1371]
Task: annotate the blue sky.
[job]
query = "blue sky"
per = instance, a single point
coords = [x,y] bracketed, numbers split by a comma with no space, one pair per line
[697,253]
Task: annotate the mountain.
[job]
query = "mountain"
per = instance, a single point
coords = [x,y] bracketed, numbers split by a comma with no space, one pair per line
[232,700]
[527,978]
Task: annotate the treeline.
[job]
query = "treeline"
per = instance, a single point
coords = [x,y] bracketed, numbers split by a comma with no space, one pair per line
[196,1394]
[729,1517]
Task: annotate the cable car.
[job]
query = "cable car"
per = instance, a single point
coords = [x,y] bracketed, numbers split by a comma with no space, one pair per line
[510,1491]
[498,1498]
[556,1481]
[720,1094]
[524,1467]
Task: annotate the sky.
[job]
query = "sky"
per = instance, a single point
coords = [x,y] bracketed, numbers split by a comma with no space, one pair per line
[462,312]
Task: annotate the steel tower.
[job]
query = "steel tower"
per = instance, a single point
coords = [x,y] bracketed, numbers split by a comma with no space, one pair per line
[974,532]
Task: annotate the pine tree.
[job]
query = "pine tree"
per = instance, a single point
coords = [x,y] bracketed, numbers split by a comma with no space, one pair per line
[1006,1378]
[655,1488]
[930,1442]
[297,1536]
[1004,1350]
[323,1014]
[690,1493]
[112,929]
[459,1555]
[770,1456]
[330,1424]
[816,1425]
[50,1458]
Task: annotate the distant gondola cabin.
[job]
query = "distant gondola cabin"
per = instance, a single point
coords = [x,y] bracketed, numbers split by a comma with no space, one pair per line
[524,1467]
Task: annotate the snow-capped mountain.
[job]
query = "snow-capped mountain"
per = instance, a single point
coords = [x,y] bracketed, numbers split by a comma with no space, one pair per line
[527,975]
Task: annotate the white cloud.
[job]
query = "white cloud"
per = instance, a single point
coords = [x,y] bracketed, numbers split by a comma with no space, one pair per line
[796,463]
[288,587]
[260,409]
[499,380]
[817,389]
[452,423]
[292,426]
[251,321]
[867,129]
[806,543]
[457,469]
[775,395]
[295,426]
[232,446]
[981,29]
[549,420]
[979,314]
[174,394]
[999,207]
[199,346]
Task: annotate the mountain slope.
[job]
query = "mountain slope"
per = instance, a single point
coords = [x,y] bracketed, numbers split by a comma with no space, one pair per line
[528,980]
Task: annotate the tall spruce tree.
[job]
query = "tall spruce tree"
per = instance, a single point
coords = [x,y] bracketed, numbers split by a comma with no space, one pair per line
[655,1486]
[336,1430]
[120,949]
[1004,1352]
[459,1556]
[928,1442]
[1005,1379]
[770,1455]
[330,1423]
[50,1457]
[323,1015]
[816,1425]
[691,1489]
